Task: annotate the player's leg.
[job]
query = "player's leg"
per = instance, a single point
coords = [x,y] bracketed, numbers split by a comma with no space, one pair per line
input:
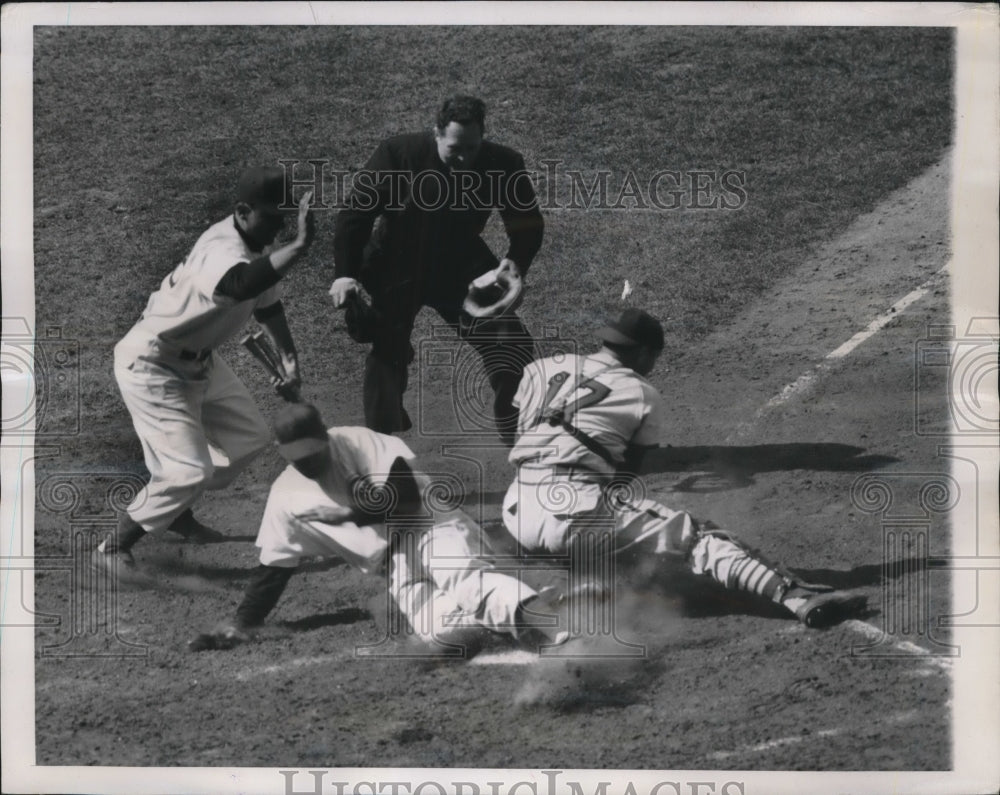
[540,512]
[503,344]
[719,555]
[505,348]
[236,429]
[386,367]
[447,587]
[166,413]
[432,614]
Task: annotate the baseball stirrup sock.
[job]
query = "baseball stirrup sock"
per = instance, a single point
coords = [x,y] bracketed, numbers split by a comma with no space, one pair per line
[123,537]
[754,576]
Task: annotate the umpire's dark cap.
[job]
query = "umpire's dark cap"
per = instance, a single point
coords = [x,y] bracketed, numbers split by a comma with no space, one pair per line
[632,329]
[300,431]
[266,188]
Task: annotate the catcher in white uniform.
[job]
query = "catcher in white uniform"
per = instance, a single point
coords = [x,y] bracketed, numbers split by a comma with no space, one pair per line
[196,421]
[352,493]
[585,424]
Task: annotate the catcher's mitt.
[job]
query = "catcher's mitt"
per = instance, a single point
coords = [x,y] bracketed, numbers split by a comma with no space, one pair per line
[495,293]
[361,319]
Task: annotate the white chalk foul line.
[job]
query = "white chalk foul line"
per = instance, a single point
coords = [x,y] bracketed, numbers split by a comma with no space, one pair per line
[890,720]
[512,657]
[807,379]
[506,657]
[299,662]
[873,633]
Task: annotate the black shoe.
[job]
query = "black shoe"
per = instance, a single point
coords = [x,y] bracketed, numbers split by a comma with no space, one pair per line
[817,609]
[193,531]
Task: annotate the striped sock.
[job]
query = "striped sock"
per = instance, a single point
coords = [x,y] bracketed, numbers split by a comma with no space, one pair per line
[753,576]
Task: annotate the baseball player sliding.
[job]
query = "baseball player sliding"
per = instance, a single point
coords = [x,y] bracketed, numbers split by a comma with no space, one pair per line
[196,421]
[586,420]
[353,493]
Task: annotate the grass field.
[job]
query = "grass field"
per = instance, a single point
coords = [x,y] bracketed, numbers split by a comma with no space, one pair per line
[131,170]
[139,136]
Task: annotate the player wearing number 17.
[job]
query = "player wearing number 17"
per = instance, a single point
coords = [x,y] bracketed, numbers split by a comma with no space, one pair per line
[585,425]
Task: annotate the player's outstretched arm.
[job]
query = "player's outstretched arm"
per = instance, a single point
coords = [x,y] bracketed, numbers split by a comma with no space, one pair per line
[283,258]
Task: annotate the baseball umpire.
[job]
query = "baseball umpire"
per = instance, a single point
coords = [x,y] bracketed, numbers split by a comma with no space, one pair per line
[433,194]
[196,421]
[353,493]
[585,425]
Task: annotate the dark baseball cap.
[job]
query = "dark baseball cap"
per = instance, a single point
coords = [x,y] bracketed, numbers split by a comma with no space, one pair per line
[632,329]
[266,188]
[300,431]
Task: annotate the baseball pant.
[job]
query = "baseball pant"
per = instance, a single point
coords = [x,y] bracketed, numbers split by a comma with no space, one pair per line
[442,583]
[549,511]
[197,424]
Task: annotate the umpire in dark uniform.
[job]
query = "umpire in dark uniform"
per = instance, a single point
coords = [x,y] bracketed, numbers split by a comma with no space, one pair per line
[432,194]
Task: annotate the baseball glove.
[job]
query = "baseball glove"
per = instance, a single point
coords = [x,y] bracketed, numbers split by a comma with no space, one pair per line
[495,293]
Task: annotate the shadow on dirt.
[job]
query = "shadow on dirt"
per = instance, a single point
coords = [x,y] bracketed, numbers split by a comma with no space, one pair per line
[870,574]
[720,468]
[174,564]
[346,615]
[693,596]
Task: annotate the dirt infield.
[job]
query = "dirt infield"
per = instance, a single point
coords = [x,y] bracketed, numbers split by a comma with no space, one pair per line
[829,463]
[718,686]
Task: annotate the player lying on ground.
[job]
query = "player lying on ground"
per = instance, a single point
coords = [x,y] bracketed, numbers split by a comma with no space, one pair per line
[352,493]
[196,421]
[587,421]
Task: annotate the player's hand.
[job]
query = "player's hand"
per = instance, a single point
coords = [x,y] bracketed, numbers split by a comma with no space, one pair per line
[289,384]
[287,389]
[306,223]
[324,515]
[509,266]
[342,289]
[224,636]
[290,364]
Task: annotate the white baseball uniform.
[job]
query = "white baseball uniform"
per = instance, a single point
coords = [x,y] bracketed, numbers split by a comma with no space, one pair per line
[439,577]
[560,492]
[196,421]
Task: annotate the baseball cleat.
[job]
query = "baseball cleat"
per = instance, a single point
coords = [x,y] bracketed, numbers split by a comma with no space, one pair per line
[193,531]
[114,564]
[818,609]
